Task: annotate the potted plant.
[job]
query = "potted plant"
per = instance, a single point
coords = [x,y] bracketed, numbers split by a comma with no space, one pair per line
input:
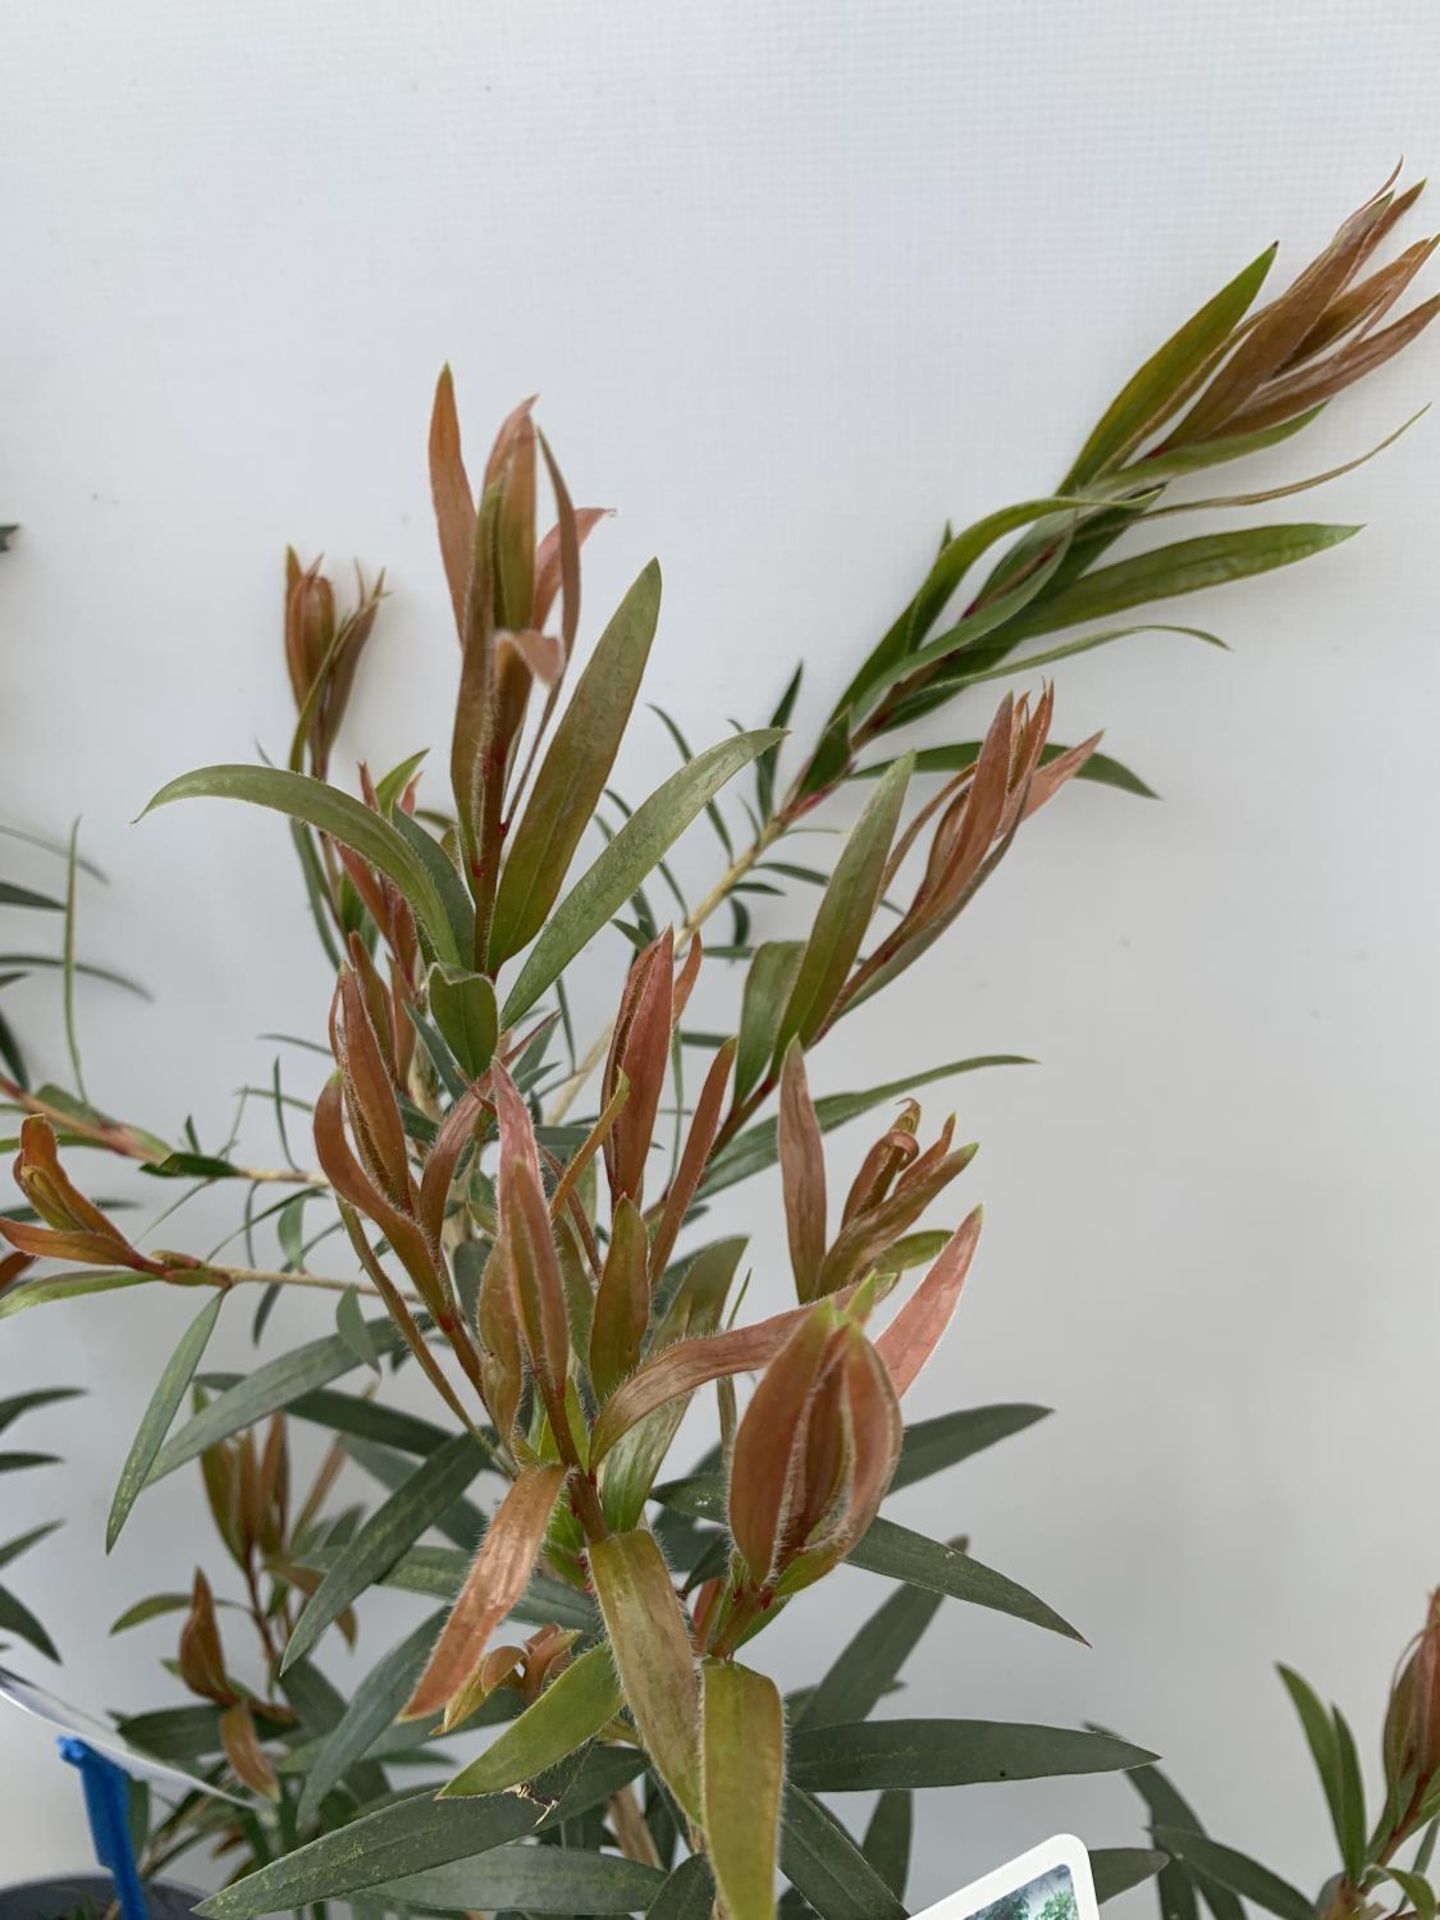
[522,1204]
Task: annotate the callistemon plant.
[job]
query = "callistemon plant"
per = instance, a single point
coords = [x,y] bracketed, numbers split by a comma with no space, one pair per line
[545,1265]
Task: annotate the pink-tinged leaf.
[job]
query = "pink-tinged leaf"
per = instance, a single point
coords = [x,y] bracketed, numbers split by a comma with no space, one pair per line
[550,564]
[457,1128]
[875,1431]
[642,1053]
[497,1578]
[802,1173]
[689,1364]
[1278,329]
[1047,781]
[770,1445]
[249,1760]
[502,1366]
[864,1243]
[525,1224]
[454,502]
[653,1656]
[918,1328]
[622,1301]
[704,1125]
[370,1094]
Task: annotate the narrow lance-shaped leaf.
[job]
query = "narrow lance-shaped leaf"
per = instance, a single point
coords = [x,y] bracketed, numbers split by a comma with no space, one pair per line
[331,811]
[495,1582]
[918,1328]
[823,1864]
[845,911]
[373,1706]
[574,1707]
[651,1644]
[573,773]
[871,1662]
[1188,566]
[802,1173]
[622,1301]
[1236,1871]
[743,1777]
[887,1838]
[758,1147]
[1146,399]
[860,1755]
[164,1404]
[407,1837]
[644,839]
[532,1880]
[768,985]
[434,1486]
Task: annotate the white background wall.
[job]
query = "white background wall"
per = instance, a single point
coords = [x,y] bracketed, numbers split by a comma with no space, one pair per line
[795,283]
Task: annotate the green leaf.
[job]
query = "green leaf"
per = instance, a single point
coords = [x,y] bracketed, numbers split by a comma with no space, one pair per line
[373,1707]
[1236,1871]
[844,914]
[901,1554]
[397,1524]
[604,888]
[868,1667]
[22,1543]
[1417,1891]
[463,1005]
[366,1419]
[20,1404]
[769,982]
[69,1286]
[454,895]
[331,811]
[1187,566]
[1178,1884]
[823,1863]
[954,759]
[888,1837]
[390,1843]
[170,1390]
[1352,1799]
[16,1617]
[581,1700]
[688,1894]
[462,1521]
[743,1772]
[1116,1869]
[856,1756]
[757,1147]
[351,1327]
[561,1880]
[932,1445]
[265,1391]
[573,773]
[1150,395]
[13,896]
[17,1462]
[1321,1738]
[152,1607]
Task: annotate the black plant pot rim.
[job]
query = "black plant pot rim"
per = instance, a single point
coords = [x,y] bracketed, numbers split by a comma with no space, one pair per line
[59,1896]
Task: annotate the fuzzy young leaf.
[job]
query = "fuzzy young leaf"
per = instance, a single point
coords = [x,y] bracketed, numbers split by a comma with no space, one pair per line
[434,1486]
[651,1644]
[573,1708]
[743,1776]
